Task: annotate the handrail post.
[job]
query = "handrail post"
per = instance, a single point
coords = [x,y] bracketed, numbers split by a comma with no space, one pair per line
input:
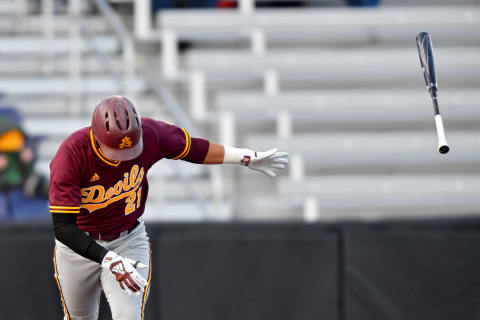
[197,95]
[129,68]
[246,6]
[270,83]
[297,167]
[284,124]
[21,9]
[142,21]
[227,128]
[258,42]
[75,57]
[128,48]
[169,54]
[311,211]
[48,34]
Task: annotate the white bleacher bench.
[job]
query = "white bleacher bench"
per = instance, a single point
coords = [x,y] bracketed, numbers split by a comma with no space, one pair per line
[260,208]
[59,127]
[61,24]
[191,21]
[33,44]
[7,7]
[428,2]
[183,211]
[353,196]
[34,64]
[328,59]
[48,107]
[355,108]
[316,26]
[377,150]
[339,68]
[328,35]
[61,85]
[174,188]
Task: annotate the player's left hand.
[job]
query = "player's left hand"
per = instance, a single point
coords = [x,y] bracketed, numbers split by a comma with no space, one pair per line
[124,271]
[268,160]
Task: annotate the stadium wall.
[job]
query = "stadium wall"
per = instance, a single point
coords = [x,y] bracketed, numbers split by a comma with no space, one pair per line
[386,270]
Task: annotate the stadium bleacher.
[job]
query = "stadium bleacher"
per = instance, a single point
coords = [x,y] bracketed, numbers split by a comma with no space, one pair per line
[333,110]
[349,82]
[340,88]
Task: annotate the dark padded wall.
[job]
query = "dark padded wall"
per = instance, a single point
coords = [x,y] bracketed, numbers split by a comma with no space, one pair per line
[394,270]
[412,273]
[230,273]
[28,287]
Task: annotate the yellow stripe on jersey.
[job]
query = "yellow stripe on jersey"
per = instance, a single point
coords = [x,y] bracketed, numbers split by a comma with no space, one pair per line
[64,211]
[100,154]
[67,314]
[188,144]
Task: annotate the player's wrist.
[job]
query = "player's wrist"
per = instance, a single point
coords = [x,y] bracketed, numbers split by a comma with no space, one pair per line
[238,155]
[108,259]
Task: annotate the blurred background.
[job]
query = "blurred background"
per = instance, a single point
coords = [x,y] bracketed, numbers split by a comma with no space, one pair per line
[368,222]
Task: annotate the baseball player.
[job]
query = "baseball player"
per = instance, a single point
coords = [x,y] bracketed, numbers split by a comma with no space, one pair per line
[98,190]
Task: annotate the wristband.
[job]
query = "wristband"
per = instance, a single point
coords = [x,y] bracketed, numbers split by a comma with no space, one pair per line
[237,155]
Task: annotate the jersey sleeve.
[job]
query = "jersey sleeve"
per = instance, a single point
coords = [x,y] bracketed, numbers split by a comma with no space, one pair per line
[64,193]
[172,142]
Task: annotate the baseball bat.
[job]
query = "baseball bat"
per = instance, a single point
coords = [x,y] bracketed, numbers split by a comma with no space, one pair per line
[425,52]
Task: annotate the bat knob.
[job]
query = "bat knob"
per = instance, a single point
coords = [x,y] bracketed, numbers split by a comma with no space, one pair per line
[443,149]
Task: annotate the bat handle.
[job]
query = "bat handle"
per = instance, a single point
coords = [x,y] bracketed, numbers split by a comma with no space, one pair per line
[442,141]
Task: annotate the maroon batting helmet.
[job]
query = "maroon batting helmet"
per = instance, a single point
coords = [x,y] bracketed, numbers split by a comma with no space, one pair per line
[117,128]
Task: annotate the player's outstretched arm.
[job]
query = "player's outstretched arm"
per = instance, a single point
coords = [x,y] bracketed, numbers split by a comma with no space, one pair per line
[255,160]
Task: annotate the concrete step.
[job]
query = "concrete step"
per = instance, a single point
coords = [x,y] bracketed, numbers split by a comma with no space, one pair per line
[28,44]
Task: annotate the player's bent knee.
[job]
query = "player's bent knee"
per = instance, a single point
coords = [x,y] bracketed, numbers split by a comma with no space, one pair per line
[128,314]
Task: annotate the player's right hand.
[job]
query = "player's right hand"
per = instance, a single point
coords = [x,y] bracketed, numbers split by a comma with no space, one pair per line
[123,269]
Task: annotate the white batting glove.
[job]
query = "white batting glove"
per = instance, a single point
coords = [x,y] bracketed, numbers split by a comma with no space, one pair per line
[123,269]
[266,161]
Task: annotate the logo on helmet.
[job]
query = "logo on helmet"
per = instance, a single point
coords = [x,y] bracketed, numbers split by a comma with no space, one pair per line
[126,143]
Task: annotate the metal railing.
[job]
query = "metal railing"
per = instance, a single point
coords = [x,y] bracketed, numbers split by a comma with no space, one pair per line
[128,45]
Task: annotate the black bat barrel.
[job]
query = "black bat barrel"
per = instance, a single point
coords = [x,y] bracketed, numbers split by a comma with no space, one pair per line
[425,51]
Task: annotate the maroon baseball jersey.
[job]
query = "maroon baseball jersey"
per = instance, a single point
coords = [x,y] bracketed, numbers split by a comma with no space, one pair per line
[109,196]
